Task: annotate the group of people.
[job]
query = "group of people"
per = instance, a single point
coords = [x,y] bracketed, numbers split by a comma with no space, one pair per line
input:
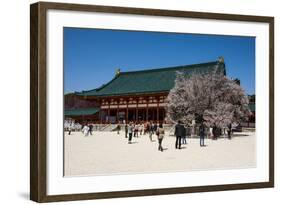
[70,125]
[87,129]
[150,128]
[181,132]
[215,132]
[137,129]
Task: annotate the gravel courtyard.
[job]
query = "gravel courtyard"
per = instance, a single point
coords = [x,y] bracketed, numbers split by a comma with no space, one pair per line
[106,153]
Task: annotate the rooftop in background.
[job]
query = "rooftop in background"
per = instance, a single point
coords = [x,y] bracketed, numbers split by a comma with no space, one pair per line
[150,81]
[81,111]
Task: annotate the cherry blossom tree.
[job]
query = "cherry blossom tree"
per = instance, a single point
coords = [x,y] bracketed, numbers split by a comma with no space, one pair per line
[209,97]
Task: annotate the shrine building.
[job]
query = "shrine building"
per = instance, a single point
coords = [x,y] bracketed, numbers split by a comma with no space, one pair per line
[133,96]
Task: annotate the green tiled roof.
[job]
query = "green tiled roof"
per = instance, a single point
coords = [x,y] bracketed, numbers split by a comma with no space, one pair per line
[150,81]
[81,111]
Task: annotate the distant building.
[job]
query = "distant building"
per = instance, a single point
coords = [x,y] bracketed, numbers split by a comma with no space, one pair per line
[133,96]
[252,107]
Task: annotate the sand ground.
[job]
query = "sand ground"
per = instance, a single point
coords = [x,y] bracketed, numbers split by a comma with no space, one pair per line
[106,153]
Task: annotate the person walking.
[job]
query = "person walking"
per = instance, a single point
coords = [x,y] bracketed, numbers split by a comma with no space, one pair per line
[184,136]
[150,131]
[155,126]
[118,129]
[85,130]
[160,132]
[211,136]
[136,130]
[130,132]
[126,131]
[69,129]
[229,131]
[145,128]
[214,130]
[91,129]
[179,133]
[151,125]
[141,128]
[202,134]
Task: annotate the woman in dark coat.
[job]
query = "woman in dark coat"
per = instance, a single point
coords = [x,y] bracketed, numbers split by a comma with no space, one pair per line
[118,129]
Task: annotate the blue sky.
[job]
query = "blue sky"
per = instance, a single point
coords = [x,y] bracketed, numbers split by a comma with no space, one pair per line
[91,56]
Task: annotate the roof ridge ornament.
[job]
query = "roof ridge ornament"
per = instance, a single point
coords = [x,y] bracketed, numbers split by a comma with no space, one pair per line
[117,72]
[221,59]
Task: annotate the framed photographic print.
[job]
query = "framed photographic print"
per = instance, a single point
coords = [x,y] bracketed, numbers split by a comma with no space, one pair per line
[135,102]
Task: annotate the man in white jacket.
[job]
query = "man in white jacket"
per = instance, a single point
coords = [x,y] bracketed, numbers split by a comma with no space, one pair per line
[85,130]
